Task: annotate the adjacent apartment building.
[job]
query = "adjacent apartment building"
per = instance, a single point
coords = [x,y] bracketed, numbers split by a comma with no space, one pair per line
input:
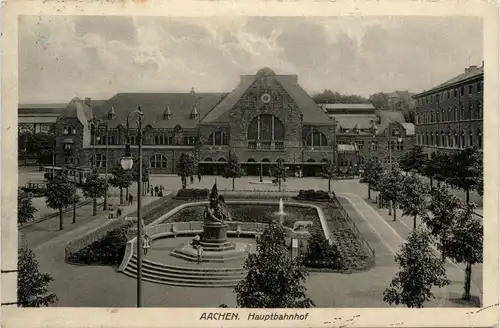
[450,116]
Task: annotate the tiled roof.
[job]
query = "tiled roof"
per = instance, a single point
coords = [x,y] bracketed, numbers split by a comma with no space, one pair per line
[59,106]
[312,113]
[154,106]
[349,121]
[467,74]
[37,109]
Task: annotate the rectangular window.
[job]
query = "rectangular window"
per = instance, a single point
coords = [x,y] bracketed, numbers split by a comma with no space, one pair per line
[479,86]
[455,93]
[462,90]
[360,145]
[170,140]
[470,88]
[449,94]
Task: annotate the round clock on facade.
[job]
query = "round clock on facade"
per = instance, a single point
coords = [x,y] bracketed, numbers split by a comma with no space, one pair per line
[265,98]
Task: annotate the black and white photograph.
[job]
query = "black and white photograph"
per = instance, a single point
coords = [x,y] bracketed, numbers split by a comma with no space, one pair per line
[262,162]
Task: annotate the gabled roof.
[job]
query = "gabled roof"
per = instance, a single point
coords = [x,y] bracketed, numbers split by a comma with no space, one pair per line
[388,116]
[56,106]
[154,106]
[312,113]
[78,109]
[347,106]
[220,112]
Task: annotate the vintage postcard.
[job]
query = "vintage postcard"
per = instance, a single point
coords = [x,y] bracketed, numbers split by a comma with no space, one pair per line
[305,164]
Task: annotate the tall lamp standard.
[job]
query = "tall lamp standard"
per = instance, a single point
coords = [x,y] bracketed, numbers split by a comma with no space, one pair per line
[106,140]
[127,162]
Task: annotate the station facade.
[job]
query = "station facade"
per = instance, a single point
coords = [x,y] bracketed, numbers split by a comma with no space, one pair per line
[266,118]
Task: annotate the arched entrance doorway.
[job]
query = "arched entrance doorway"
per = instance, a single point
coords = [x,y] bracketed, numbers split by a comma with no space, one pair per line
[266,168]
[311,169]
[251,167]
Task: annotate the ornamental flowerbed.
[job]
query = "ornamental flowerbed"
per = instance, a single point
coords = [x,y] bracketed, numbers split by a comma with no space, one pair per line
[260,213]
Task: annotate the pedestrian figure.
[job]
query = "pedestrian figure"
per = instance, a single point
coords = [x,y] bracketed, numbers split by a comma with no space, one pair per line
[152,192]
[191,179]
[160,193]
[130,199]
[200,254]
[199,177]
[156,190]
[119,212]
[146,244]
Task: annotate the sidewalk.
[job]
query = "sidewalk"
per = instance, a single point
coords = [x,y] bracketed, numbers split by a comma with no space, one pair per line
[45,231]
[395,233]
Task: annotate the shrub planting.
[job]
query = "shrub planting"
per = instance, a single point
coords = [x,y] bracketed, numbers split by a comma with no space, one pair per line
[314,195]
[320,254]
[192,193]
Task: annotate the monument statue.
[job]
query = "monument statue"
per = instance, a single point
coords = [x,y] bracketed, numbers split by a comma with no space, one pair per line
[216,210]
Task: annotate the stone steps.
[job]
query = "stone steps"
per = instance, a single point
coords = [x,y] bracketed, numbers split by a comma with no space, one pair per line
[186,276]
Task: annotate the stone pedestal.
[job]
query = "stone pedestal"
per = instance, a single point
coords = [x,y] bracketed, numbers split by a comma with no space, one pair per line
[215,238]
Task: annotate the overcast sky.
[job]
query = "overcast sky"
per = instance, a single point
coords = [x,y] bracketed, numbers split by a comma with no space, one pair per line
[61,57]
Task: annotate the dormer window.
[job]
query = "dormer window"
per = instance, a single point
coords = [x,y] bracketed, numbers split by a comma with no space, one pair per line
[167,115]
[111,113]
[194,113]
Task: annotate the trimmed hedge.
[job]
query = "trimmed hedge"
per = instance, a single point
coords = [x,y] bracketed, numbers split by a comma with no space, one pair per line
[314,195]
[108,250]
[192,193]
[320,254]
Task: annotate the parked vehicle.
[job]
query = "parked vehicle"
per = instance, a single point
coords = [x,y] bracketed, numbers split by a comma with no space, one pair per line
[35,189]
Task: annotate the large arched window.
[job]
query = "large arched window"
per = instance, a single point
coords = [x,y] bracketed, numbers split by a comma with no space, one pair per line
[455,139]
[99,160]
[158,161]
[449,143]
[443,140]
[217,139]
[316,139]
[462,113]
[462,139]
[442,119]
[471,139]
[266,127]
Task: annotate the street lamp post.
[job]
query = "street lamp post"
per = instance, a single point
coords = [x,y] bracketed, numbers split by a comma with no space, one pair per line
[127,163]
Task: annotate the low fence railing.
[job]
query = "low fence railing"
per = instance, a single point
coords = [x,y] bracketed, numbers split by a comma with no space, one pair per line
[174,229]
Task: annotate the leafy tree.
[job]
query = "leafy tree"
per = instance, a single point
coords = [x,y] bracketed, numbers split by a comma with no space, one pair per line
[413,160]
[320,253]
[94,187]
[329,171]
[330,97]
[379,100]
[442,207]
[279,172]
[391,187]
[121,179]
[32,286]
[146,165]
[274,280]
[419,271]
[465,243]
[438,167]
[60,194]
[25,208]
[372,173]
[466,167]
[185,167]
[414,197]
[232,167]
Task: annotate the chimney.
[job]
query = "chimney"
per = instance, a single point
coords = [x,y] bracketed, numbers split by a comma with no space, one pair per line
[88,101]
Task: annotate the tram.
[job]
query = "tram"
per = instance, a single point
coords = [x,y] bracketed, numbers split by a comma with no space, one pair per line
[81,173]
